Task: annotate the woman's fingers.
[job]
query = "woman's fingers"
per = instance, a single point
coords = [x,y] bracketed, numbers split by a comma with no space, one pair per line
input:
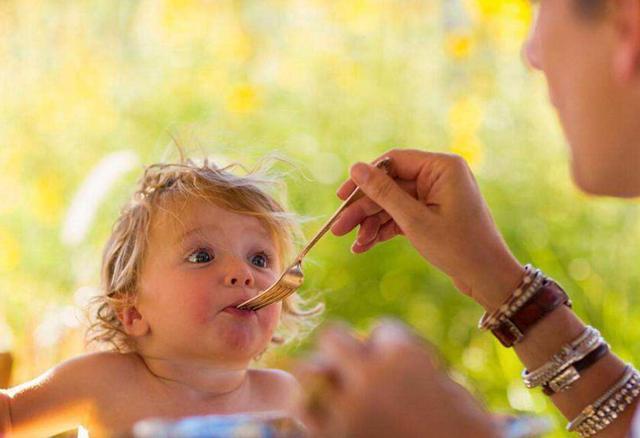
[356,213]
[319,382]
[337,341]
[370,227]
[386,232]
[394,337]
[407,211]
[406,164]
[346,189]
[349,186]
[389,384]
[329,378]
[391,336]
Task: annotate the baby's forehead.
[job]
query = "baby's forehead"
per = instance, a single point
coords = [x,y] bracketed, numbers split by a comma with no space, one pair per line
[177,219]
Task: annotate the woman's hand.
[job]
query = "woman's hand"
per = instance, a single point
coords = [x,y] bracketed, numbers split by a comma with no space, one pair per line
[386,386]
[433,200]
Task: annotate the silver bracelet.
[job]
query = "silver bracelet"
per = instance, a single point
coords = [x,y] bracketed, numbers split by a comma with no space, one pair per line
[571,374]
[602,412]
[570,353]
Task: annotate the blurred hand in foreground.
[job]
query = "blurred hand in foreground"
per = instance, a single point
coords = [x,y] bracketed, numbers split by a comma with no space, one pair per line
[433,199]
[388,385]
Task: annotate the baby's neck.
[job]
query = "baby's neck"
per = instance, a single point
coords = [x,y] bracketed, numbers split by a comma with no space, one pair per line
[198,379]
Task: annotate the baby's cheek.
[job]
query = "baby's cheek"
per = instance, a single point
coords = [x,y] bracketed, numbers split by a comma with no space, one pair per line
[269,317]
[201,308]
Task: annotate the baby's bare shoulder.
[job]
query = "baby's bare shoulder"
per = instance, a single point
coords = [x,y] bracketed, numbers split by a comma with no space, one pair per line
[107,362]
[102,369]
[70,393]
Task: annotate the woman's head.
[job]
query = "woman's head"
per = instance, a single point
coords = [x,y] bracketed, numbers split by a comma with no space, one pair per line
[589,51]
[193,241]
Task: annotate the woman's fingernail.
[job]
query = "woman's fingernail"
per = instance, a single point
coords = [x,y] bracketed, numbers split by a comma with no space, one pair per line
[360,173]
[365,238]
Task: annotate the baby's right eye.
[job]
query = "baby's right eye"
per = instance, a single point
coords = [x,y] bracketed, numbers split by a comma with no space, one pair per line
[201,256]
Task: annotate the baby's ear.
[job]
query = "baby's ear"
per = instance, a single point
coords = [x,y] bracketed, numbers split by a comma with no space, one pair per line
[133,322]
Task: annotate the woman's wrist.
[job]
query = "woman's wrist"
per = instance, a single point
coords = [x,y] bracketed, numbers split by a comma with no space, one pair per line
[492,291]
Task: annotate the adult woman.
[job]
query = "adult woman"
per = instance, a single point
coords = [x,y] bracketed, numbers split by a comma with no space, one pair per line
[433,200]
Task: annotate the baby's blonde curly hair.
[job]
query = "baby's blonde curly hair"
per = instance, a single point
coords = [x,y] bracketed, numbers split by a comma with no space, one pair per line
[186,180]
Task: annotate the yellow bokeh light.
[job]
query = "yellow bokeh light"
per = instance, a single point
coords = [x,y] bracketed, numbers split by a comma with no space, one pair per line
[48,201]
[465,115]
[10,251]
[465,118]
[506,21]
[459,45]
[243,99]
[469,147]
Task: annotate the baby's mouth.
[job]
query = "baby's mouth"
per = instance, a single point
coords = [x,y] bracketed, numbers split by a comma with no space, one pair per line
[233,309]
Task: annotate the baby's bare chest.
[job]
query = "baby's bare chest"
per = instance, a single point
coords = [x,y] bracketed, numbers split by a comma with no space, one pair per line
[136,402]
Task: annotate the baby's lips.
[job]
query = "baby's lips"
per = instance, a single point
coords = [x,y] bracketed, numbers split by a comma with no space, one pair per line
[239,301]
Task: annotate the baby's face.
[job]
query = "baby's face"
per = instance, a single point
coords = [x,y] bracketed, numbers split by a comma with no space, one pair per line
[201,262]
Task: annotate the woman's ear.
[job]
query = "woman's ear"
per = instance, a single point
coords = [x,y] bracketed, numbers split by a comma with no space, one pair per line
[626,16]
[133,322]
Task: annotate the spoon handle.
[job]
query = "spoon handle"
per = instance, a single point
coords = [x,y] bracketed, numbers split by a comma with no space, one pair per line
[384,164]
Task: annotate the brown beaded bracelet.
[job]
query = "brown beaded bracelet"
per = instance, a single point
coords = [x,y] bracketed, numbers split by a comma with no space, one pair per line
[530,283]
[548,297]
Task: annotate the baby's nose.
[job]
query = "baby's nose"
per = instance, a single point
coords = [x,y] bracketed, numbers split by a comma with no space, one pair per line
[238,276]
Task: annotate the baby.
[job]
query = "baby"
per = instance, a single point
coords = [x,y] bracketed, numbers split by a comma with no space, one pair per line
[193,242]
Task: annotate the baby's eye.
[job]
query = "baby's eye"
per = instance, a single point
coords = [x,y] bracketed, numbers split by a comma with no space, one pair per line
[201,256]
[261,260]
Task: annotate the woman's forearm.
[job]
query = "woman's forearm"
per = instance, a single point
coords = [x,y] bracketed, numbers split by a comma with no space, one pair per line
[545,339]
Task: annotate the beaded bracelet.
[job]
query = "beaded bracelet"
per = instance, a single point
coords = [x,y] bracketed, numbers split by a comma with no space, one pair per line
[572,352]
[530,283]
[535,297]
[602,412]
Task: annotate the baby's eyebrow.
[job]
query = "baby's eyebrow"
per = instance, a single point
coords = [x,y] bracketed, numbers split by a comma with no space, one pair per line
[215,228]
[196,230]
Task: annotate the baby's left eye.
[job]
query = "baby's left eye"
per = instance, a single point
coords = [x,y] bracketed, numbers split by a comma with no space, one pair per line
[260,260]
[200,256]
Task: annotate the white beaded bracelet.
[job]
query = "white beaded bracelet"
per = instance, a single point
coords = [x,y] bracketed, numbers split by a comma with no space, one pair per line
[602,412]
[531,283]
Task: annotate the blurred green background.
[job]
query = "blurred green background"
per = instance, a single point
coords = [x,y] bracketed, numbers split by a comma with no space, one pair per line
[90,91]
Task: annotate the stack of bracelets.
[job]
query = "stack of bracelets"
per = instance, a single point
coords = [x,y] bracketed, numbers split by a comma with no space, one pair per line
[536,297]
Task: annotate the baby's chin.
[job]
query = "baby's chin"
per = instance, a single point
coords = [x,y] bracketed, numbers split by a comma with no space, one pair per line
[240,343]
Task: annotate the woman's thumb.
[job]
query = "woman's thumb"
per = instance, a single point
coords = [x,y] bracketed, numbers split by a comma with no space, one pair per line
[383,190]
